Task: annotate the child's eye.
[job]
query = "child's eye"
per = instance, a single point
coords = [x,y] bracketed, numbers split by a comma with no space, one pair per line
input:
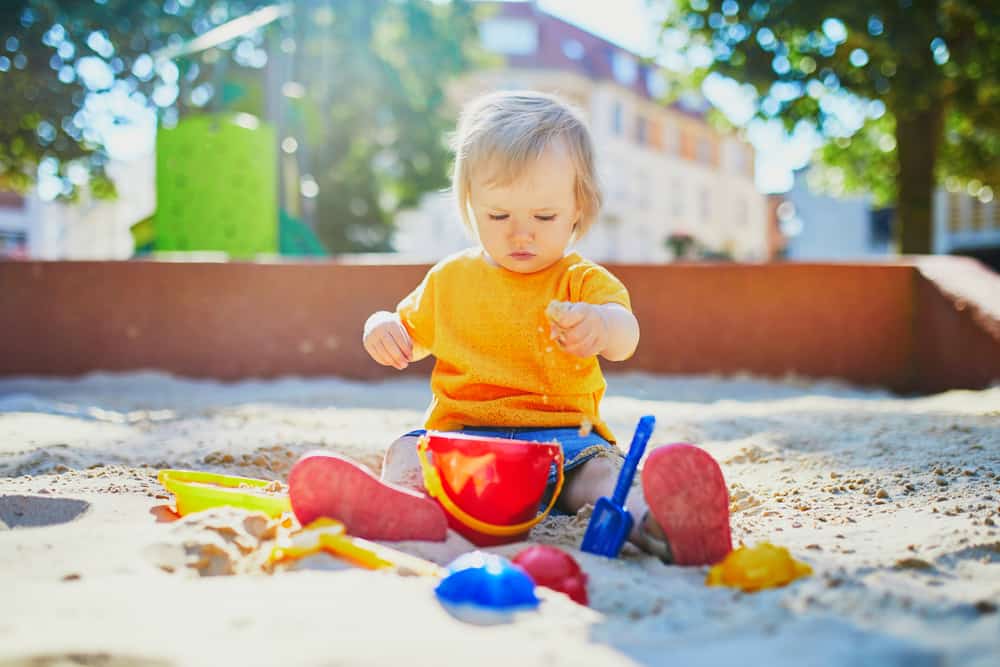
[498,216]
[545,218]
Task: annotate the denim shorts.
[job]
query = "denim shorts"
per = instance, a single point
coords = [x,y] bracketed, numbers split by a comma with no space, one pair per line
[577,449]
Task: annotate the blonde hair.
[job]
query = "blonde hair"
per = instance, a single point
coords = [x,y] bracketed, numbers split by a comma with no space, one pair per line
[505,131]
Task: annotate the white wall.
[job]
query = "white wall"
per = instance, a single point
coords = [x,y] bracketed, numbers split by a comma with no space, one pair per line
[89,229]
[829,227]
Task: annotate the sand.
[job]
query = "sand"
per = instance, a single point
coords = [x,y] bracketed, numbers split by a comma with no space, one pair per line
[893,501]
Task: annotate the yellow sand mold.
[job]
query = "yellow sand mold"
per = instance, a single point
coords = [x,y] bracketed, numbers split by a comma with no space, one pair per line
[196,490]
[756,568]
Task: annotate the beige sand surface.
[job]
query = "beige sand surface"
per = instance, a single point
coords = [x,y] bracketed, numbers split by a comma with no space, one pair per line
[893,501]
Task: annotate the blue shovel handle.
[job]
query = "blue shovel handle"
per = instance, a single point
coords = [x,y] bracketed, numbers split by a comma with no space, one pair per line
[635,451]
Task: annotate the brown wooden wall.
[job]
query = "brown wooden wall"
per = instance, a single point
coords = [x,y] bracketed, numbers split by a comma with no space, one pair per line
[873,324]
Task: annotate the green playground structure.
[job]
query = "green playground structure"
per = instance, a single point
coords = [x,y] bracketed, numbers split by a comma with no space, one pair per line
[217,173]
[217,190]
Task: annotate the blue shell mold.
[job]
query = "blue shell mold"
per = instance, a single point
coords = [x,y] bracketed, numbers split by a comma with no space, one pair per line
[485,589]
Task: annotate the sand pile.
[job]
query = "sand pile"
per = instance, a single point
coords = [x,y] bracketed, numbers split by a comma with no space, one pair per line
[894,502]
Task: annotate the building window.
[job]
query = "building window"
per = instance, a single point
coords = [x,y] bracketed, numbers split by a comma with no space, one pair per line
[738,158]
[686,145]
[617,118]
[954,212]
[978,215]
[671,138]
[704,150]
[742,160]
[642,183]
[706,205]
[624,68]
[572,49]
[677,198]
[13,244]
[655,134]
[656,83]
[513,37]
[641,130]
[732,157]
[879,228]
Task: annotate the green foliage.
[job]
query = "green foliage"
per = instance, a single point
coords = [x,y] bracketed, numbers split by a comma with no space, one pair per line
[374,113]
[370,123]
[46,45]
[864,162]
[924,60]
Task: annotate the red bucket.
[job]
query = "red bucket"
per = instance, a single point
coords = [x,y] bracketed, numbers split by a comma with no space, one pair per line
[490,488]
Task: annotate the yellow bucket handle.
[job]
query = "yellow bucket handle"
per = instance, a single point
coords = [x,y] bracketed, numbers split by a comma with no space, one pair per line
[432,482]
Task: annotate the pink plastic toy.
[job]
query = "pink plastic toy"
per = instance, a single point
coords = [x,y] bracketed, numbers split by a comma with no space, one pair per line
[553,568]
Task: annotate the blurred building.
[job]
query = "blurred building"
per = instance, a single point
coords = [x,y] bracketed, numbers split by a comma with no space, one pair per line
[967,225]
[820,226]
[664,170]
[86,229]
[17,214]
[777,242]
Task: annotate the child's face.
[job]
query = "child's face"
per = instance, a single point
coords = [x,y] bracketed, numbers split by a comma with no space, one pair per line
[525,226]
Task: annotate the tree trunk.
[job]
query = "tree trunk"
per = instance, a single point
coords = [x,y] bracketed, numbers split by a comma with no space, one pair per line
[918,136]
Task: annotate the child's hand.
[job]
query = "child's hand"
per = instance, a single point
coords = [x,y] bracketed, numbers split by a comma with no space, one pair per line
[387,341]
[579,328]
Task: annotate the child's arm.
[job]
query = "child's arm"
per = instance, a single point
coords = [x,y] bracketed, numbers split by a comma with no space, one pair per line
[586,329]
[387,341]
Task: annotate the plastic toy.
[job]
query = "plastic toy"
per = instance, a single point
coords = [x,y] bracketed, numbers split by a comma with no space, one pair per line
[217,185]
[485,589]
[490,488]
[195,490]
[554,568]
[329,535]
[757,568]
[610,523]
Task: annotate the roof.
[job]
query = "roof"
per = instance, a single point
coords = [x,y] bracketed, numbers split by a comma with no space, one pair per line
[594,59]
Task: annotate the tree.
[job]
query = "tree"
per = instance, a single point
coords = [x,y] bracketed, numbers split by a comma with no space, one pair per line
[366,95]
[56,58]
[373,112]
[927,73]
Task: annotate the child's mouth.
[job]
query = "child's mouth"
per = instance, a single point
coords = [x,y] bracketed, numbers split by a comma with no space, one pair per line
[522,255]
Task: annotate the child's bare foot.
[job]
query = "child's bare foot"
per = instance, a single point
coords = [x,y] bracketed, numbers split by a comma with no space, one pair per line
[326,485]
[688,506]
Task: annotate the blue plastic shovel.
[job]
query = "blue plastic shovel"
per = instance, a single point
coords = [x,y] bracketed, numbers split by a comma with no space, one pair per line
[611,523]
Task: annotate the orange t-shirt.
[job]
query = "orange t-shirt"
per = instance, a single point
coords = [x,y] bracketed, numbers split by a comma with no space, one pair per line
[496,364]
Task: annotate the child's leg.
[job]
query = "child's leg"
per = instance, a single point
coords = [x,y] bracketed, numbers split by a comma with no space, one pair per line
[682,511]
[595,479]
[326,485]
[401,465]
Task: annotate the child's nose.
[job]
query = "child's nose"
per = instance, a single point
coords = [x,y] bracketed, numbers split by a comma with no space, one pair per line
[520,229]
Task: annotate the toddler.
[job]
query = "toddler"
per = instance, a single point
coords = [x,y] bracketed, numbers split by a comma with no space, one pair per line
[516,325]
